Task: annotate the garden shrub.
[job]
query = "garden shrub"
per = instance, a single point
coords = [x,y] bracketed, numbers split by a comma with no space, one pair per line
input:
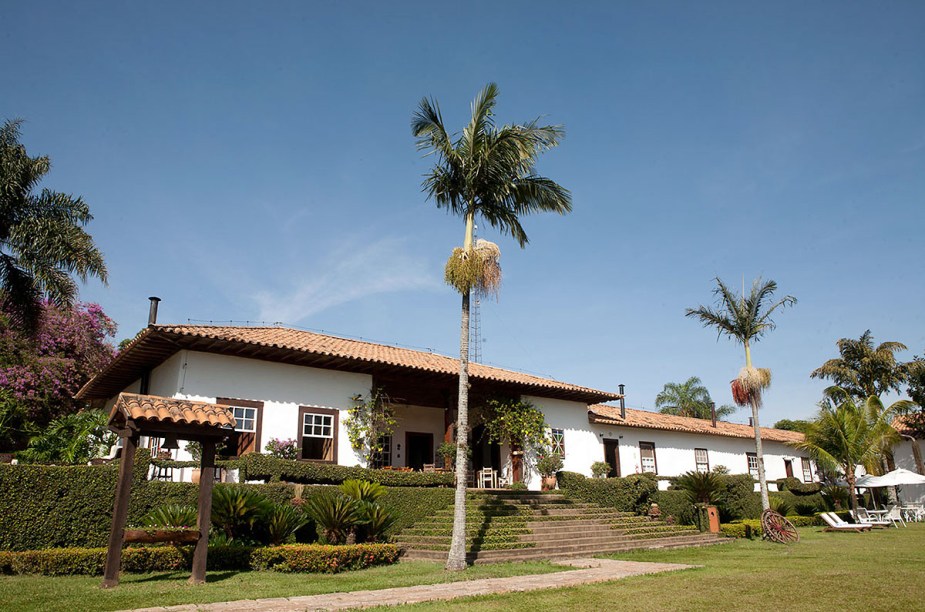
[255,466]
[629,494]
[803,504]
[71,506]
[675,504]
[736,530]
[739,499]
[798,487]
[322,558]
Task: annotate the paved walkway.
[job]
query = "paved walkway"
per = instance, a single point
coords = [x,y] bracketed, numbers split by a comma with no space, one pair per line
[592,570]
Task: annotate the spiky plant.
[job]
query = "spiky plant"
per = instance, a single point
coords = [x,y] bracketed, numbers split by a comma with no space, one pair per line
[376,522]
[337,515]
[745,319]
[236,510]
[489,172]
[362,490]
[171,515]
[282,521]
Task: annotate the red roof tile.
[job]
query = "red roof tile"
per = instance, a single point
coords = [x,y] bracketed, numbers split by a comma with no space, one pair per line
[610,415]
[164,409]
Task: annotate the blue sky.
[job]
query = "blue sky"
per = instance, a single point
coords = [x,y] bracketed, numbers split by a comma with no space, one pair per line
[253,161]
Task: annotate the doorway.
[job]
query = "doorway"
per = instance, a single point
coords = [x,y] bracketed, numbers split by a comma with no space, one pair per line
[788,467]
[419,449]
[484,453]
[612,457]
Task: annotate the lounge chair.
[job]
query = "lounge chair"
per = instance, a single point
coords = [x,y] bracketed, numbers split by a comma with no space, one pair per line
[836,524]
[877,521]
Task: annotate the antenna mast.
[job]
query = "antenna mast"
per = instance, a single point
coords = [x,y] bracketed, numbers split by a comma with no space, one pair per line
[475,319]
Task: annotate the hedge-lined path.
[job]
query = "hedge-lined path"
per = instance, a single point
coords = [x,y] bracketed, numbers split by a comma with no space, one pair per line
[591,571]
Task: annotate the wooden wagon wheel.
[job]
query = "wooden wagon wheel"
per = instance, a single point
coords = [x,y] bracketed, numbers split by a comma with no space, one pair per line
[777,528]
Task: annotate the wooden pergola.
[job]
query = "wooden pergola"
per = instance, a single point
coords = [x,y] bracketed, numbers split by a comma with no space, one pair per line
[135,415]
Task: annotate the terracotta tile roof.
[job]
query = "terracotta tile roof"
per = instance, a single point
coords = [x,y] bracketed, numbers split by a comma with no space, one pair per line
[610,415]
[157,342]
[153,409]
[903,424]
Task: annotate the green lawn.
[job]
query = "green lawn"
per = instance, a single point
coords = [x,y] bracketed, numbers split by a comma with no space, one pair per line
[882,570]
[22,593]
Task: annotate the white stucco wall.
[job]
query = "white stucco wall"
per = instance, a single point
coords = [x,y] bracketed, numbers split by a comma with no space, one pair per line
[281,387]
[674,451]
[902,453]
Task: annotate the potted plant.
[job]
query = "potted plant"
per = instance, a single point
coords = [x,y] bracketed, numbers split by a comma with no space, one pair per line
[447,450]
[547,466]
[600,469]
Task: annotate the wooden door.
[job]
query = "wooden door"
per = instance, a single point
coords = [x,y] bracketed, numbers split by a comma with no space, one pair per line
[612,456]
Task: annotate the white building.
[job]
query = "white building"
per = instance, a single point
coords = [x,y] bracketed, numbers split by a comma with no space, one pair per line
[291,384]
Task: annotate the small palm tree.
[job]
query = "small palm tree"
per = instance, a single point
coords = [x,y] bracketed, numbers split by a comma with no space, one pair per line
[689,399]
[745,319]
[42,240]
[847,435]
[486,171]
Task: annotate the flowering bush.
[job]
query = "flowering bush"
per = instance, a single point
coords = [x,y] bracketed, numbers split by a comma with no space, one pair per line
[40,374]
[283,449]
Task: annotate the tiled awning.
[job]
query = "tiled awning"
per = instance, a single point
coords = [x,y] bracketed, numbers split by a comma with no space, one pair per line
[154,414]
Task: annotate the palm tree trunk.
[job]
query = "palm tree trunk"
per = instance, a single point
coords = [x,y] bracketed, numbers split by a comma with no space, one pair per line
[852,490]
[456,560]
[759,453]
[916,453]
[762,480]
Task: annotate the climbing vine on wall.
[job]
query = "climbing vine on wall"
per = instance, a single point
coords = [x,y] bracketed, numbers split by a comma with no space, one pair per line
[371,418]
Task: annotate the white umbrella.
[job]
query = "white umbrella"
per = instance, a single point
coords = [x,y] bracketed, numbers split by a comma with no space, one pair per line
[895,478]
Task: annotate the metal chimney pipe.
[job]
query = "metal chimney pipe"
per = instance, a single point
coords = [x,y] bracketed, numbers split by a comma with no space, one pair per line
[713,412]
[751,422]
[152,310]
[622,402]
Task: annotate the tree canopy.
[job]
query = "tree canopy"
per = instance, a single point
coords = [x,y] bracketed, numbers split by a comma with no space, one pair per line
[863,369]
[42,240]
[689,399]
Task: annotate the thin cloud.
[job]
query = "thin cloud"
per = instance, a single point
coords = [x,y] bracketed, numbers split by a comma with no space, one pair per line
[357,272]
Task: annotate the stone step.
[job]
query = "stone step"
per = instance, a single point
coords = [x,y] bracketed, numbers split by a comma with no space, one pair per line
[529,554]
[544,541]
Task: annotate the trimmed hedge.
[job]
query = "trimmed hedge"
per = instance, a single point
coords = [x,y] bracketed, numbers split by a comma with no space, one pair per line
[798,487]
[751,528]
[292,558]
[255,466]
[739,499]
[675,504]
[71,506]
[629,494]
[323,558]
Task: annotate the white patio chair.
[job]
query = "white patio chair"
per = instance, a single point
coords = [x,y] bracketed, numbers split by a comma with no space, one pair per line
[504,479]
[864,517]
[486,478]
[894,514]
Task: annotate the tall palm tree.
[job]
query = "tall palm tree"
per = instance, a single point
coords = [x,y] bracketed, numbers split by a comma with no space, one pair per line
[689,399]
[42,240]
[863,369]
[745,319]
[485,171]
[848,434]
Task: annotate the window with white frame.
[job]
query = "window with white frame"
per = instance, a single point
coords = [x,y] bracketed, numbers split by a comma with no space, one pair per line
[807,470]
[752,464]
[702,460]
[245,419]
[318,434]
[558,442]
[647,457]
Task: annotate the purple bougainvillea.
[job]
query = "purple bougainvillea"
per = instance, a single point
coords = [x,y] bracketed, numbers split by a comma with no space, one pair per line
[40,374]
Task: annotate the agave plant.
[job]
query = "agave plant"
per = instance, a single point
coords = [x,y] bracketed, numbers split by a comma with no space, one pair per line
[172,515]
[337,515]
[362,490]
[282,522]
[236,510]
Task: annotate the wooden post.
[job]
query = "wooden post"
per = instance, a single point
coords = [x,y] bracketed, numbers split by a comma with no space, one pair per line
[120,512]
[206,476]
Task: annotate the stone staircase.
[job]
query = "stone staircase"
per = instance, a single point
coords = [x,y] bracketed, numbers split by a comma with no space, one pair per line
[521,526]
